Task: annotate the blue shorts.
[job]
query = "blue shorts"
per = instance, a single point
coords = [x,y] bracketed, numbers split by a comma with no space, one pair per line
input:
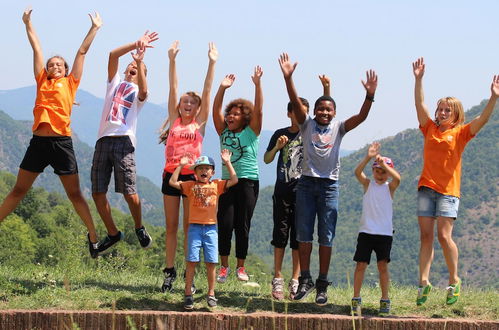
[316,197]
[202,236]
[434,204]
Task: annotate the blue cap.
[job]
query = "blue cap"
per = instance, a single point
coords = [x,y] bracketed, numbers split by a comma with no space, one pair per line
[203,160]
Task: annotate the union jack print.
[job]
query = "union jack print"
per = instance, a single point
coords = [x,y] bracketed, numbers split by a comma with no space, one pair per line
[122,102]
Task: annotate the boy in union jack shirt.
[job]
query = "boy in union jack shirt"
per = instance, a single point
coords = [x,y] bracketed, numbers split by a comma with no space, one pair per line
[115,146]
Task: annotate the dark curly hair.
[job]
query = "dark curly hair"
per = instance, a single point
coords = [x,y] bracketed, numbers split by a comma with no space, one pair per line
[245,106]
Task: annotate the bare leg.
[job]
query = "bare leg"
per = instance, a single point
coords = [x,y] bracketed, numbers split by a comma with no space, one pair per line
[358,277]
[23,183]
[426,228]
[104,209]
[449,247]
[189,276]
[71,184]
[296,263]
[384,278]
[324,258]
[278,256]
[133,202]
[171,205]
[240,262]
[224,260]
[211,272]
[305,250]
[185,221]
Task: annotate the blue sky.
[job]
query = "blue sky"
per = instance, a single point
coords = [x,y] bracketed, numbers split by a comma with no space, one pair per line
[339,38]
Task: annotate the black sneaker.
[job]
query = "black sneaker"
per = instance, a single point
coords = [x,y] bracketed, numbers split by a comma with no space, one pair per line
[188,302]
[109,241]
[93,248]
[321,296]
[170,277]
[144,237]
[212,301]
[305,286]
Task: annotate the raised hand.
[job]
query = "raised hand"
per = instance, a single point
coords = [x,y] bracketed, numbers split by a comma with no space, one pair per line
[373,149]
[212,52]
[225,154]
[371,82]
[494,87]
[146,39]
[418,68]
[138,56]
[257,75]
[281,142]
[184,160]
[287,67]
[325,80]
[27,15]
[173,50]
[380,160]
[96,20]
[228,81]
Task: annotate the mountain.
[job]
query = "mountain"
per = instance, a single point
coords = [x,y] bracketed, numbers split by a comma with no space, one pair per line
[475,231]
[14,139]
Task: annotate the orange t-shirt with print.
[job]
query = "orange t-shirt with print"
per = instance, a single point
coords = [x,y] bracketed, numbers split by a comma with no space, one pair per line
[54,101]
[442,157]
[203,200]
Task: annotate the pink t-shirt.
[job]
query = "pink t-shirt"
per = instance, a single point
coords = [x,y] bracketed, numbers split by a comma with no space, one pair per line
[182,140]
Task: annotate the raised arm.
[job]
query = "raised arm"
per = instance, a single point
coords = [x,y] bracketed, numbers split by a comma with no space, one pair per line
[77,70]
[418,69]
[174,178]
[477,123]
[370,86]
[204,111]
[218,116]
[326,84]
[257,115]
[114,56]
[34,42]
[269,156]
[173,81]
[226,154]
[372,151]
[287,69]
[138,56]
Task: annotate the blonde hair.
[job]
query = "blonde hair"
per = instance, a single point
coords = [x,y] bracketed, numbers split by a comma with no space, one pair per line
[165,127]
[456,107]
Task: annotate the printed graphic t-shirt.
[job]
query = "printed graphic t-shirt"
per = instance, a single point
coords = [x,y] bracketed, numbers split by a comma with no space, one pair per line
[244,148]
[203,200]
[182,140]
[121,109]
[54,102]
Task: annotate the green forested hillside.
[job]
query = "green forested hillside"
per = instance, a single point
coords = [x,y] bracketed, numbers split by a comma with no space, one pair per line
[475,231]
[14,139]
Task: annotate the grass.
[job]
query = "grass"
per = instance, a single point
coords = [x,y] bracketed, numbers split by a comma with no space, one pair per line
[102,285]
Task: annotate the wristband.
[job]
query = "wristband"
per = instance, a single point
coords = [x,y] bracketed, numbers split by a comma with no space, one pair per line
[370,97]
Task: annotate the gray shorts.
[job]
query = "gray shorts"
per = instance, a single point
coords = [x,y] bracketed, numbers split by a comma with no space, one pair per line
[114,153]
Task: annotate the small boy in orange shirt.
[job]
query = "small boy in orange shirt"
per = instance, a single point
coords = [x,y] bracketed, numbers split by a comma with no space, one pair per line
[202,196]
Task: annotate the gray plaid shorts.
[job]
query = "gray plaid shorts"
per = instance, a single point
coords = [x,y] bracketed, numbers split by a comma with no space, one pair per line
[114,153]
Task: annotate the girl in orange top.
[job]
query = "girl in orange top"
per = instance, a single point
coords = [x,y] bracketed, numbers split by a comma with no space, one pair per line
[439,185]
[51,143]
[183,133]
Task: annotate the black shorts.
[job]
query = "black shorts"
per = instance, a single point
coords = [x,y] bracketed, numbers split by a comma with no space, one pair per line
[168,190]
[56,151]
[114,154]
[284,220]
[366,243]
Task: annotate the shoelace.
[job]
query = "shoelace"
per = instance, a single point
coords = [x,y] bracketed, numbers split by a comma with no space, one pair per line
[450,291]
[278,286]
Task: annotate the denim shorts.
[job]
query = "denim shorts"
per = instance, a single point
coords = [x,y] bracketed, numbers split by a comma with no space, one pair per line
[202,236]
[316,197]
[434,204]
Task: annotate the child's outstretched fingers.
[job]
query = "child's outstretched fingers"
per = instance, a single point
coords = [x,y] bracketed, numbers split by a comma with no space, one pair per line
[325,80]
[228,80]
[226,154]
[96,20]
[373,149]
[281,141]
[138,56]
[494,87]
[184,160]
[146,39]
[371,82]
[418,68]
[257,75]
[212,52]
[173,50]
[287,67]
[27,15]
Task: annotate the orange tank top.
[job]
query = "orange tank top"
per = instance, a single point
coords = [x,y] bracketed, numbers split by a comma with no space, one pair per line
[54,101]
[183,140]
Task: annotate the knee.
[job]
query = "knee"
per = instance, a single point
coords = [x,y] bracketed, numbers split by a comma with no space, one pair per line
[444,238]
[19,192]
[383,266]
[426,237]
[132,199]
[75,195]
[361,267]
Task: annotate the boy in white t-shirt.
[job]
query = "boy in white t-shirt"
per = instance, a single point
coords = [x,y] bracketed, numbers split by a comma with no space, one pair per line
[115,146]
[376,228]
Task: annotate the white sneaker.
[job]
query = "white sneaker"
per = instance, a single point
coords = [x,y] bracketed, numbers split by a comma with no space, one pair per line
[293,288]
[241,274]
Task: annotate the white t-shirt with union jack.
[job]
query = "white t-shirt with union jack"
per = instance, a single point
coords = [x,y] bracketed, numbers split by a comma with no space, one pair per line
[121,109]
